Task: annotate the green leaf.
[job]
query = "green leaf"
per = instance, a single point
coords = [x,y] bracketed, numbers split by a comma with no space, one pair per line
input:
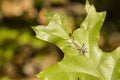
[83,59]
[53,31]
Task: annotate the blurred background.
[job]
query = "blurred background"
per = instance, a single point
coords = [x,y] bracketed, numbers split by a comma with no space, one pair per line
[22,55]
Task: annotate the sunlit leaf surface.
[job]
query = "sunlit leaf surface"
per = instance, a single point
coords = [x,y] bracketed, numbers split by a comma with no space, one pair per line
[83,59]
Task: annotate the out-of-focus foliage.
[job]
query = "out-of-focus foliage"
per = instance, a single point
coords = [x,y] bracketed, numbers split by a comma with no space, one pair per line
[11,39]
[11,43]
